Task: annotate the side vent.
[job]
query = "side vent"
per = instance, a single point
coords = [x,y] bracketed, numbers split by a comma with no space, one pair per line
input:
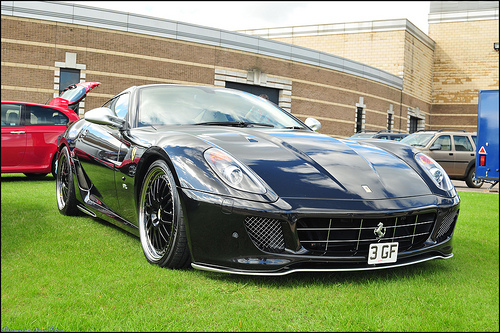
[447,225]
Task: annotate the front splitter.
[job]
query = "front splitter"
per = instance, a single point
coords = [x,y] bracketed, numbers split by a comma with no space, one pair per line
[288,270]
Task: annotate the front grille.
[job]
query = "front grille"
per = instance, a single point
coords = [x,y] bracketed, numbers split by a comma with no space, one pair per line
[352,236]
[265,233]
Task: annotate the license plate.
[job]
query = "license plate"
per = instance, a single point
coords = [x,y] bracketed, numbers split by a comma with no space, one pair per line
[382,253]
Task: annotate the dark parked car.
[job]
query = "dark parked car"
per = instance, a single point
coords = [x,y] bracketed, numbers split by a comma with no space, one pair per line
[384,135]
[228,182]
[30,131]
[454,150]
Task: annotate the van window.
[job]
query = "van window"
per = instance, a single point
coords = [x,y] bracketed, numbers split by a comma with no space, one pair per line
[462,143]
[444,141]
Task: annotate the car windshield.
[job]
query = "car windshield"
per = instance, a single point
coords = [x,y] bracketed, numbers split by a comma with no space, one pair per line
[418,139]
[73,93]
[180,105]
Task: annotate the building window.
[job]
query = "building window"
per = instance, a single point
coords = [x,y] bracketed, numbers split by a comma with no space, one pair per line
[255,77]
[413,124]
[68,76]
[359,119]
[416,120]
[272,93]
[389,121]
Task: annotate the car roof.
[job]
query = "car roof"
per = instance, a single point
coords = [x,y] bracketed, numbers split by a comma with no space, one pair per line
[59,108]
[447,131]
[36,104]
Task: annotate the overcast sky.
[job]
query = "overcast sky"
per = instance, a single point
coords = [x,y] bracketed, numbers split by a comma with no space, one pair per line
[241,15]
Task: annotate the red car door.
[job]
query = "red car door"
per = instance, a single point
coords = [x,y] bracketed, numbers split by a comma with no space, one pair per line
[30,131]
[43,126]
[13,135]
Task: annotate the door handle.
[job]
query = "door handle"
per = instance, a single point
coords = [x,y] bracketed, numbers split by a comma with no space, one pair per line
[17,132]
[451,154]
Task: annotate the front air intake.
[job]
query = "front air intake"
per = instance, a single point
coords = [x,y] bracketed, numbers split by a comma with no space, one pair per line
[447,226]
[352,236]
[265,233]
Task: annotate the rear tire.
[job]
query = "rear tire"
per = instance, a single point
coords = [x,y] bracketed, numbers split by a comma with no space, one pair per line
[471,181]
[53,166]
[65,187]
[161,222]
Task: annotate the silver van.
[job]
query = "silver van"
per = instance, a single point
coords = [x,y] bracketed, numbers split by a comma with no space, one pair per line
[454,150]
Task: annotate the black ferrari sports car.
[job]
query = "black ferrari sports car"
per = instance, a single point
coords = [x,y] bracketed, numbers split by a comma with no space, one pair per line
[229,182]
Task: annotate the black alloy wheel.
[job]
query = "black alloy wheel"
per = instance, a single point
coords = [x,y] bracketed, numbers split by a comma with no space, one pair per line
[161,222]
[65,188]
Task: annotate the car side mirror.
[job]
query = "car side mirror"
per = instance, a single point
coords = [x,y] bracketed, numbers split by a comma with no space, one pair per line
[437,146]
[313,123]
[104,116]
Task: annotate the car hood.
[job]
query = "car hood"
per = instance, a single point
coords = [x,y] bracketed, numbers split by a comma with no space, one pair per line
[306,164]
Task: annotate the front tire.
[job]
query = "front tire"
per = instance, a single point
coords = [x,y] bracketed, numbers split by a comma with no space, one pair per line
[65,187]
[471,180]
[161,222]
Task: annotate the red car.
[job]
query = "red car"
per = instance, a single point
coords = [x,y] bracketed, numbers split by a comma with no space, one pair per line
[30,130]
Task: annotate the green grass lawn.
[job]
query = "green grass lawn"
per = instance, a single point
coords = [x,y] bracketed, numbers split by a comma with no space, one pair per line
[81,274]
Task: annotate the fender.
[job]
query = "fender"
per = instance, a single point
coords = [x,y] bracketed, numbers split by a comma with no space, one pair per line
[471,165]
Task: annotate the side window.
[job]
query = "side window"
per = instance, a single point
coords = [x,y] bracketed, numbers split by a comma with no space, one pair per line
[444,141]
[462,143]
[474,138]
[119,105]
[42,116]
[11,115]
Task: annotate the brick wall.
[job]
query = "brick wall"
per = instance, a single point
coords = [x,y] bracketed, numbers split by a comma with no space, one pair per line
[397,52]
[465,62]
[441,74]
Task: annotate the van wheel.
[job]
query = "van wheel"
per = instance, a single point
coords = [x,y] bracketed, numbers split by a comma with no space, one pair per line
[471,180]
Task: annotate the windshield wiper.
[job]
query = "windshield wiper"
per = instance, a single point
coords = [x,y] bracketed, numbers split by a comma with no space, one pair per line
[294,127]
[234,123]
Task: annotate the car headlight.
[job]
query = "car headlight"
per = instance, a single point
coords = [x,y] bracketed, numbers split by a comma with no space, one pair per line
[232,172]
[435,171]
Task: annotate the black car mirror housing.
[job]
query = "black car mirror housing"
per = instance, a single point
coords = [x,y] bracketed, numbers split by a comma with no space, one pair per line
[105,116]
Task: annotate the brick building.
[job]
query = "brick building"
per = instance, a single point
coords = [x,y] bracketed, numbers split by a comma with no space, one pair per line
[445,69]
[393,83]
